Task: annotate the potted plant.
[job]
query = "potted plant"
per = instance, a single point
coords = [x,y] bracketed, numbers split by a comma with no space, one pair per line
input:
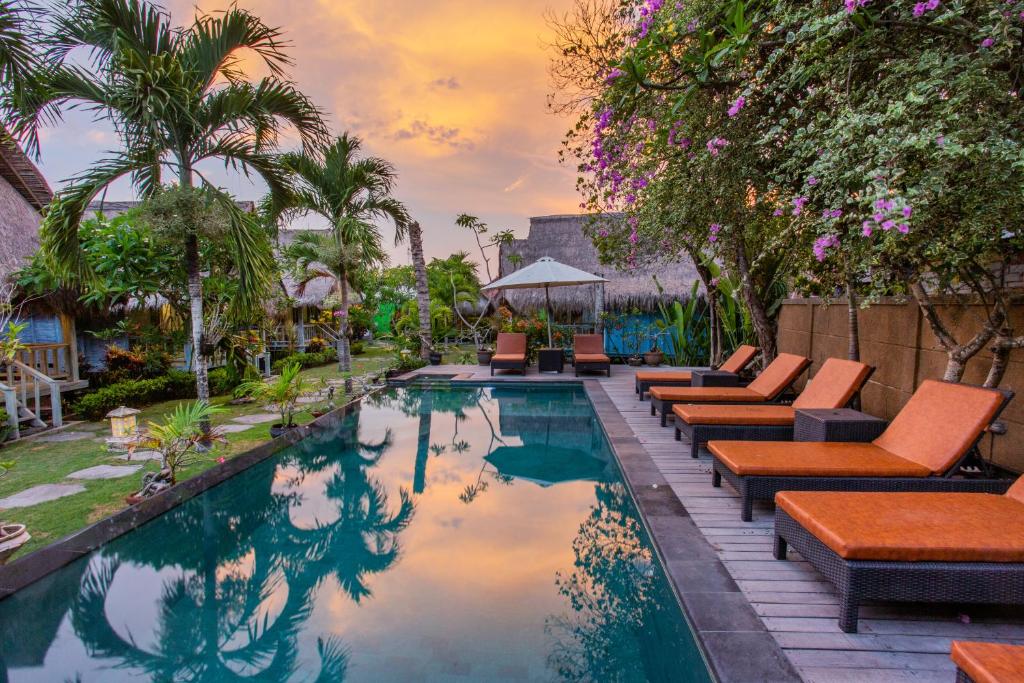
[179,439]
[283,392]
[654,356]
[435,357]
[484,355]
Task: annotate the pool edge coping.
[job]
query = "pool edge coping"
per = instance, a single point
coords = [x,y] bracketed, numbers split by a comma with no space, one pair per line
[38,564]
[701,583]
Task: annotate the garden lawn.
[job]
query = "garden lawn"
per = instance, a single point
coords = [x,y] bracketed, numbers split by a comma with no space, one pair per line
[39,462]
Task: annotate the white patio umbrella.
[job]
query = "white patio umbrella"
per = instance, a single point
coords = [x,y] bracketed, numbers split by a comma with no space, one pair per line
[545,272]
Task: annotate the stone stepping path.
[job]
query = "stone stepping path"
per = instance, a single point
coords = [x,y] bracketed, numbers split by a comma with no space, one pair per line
[308,399]
[257,418]
[43,493]
[142,455]
[233,429]
[65,436]
[105,472]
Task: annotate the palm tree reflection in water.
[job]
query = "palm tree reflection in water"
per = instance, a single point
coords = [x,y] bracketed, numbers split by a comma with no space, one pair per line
[235,611]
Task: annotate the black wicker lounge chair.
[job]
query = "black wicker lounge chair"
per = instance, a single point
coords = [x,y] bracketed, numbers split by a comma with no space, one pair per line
[588,354]
[510,353]
[908,547]
[645,379]
[834,386]
[987,662]
[768,387]
[921,450]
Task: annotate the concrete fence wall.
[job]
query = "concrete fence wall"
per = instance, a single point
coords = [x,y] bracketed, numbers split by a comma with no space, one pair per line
[896,339]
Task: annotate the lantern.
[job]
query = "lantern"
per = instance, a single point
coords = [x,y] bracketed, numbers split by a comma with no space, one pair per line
[123,427]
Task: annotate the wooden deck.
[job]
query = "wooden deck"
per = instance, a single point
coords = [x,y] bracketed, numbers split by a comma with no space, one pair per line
[796,604]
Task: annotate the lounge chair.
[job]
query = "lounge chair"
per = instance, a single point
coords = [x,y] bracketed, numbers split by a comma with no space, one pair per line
[834,386]
[908,547]
[740,359]
[511,352]
[588,354]
[921,450]
[766,388]
[987,662]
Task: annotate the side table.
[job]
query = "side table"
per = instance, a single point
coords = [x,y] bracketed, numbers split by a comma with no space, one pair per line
[550,360]
[842,424]
[714,378]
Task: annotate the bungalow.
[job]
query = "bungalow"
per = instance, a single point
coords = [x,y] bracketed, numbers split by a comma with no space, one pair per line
[48,365]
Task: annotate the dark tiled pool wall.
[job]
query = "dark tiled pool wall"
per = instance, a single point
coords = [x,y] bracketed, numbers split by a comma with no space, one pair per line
[734,641]
[38,564]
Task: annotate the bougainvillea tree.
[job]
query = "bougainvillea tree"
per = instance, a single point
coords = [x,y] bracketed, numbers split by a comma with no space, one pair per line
[867,147]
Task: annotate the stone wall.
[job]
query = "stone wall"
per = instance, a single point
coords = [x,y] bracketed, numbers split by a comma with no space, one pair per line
[896,339]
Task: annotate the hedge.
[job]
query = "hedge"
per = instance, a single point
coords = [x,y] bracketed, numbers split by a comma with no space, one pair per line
[306,360]
[136,393]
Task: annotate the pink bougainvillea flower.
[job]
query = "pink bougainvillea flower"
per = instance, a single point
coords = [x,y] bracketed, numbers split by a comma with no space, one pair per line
[866,228]
[919,9]
[798,205]
[602,233]
[822,244]
[907,211]
[888,225]
[737,105]
[903,228]
[988,42]
[777,212]
[812,181]
[613,74]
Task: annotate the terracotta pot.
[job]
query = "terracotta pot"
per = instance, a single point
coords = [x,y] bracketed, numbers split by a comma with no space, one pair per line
[635,361]
[654,358]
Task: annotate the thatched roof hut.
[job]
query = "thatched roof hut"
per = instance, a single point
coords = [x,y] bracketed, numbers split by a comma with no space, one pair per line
[562,238]
[23,195]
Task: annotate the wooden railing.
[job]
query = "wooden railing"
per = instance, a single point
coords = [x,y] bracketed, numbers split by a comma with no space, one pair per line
[53,360]
[23,390]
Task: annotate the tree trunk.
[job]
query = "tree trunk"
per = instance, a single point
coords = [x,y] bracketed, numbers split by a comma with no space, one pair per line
[195,297]
[714,322]
[957,354]
[764,328]
[344,355]
[426,408]
[422,290]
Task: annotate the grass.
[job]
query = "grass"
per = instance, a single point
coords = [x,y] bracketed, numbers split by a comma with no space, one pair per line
[49,463]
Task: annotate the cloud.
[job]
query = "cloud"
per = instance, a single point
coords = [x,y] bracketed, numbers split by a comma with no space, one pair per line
[438,135]
[450,83]
[515,184]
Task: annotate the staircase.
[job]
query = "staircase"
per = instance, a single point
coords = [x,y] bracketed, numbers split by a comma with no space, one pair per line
[24,390]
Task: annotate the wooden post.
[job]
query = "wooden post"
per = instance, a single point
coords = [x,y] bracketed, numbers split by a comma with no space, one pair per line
[70,334]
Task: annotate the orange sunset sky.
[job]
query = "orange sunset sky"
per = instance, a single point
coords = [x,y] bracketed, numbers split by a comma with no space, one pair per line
[452,92]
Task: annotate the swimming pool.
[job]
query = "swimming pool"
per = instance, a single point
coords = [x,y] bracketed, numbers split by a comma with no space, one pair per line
[453,533]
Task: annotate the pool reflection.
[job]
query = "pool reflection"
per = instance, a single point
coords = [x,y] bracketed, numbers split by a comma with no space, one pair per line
[438,532]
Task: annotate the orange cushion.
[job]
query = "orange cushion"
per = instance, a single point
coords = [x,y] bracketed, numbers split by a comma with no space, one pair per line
[989,662]
[739,359]
[812,459]
[707,394]
[940,422]
[734,415]
[1017,490]
[912,527]
[588,343]
[509,357]
[834,384]
[779,374]
[511,343]
[667,376]
[592,358]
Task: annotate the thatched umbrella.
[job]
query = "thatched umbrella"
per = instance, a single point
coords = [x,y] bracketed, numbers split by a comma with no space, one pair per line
[544,272]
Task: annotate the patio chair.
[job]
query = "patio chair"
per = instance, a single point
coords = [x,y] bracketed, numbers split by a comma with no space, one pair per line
[834,386]
[588,354]
[510,353]
[768,387]
[987,662]
[921,450]
[908,547]
[740,359]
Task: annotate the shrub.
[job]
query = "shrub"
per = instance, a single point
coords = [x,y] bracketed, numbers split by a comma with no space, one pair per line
[357,348]
[222,381]
[305,360]
[121,365]
[136,393]
[315,345]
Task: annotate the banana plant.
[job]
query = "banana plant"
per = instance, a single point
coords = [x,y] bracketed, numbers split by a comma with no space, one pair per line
[687,327]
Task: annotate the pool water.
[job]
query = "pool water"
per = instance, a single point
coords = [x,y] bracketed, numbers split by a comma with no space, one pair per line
[437,534]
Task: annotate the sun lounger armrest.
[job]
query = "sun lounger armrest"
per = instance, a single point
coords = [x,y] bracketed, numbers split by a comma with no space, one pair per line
[714,378]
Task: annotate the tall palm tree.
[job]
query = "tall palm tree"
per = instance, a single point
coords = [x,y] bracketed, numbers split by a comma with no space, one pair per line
[350,192]
[324,253]
[419,266]
[177,97]
[21,71]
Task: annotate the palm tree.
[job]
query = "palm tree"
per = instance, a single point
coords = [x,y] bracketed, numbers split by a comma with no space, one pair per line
[20,73]
[177,97]
[350,192]
[422,287]
[313,254]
